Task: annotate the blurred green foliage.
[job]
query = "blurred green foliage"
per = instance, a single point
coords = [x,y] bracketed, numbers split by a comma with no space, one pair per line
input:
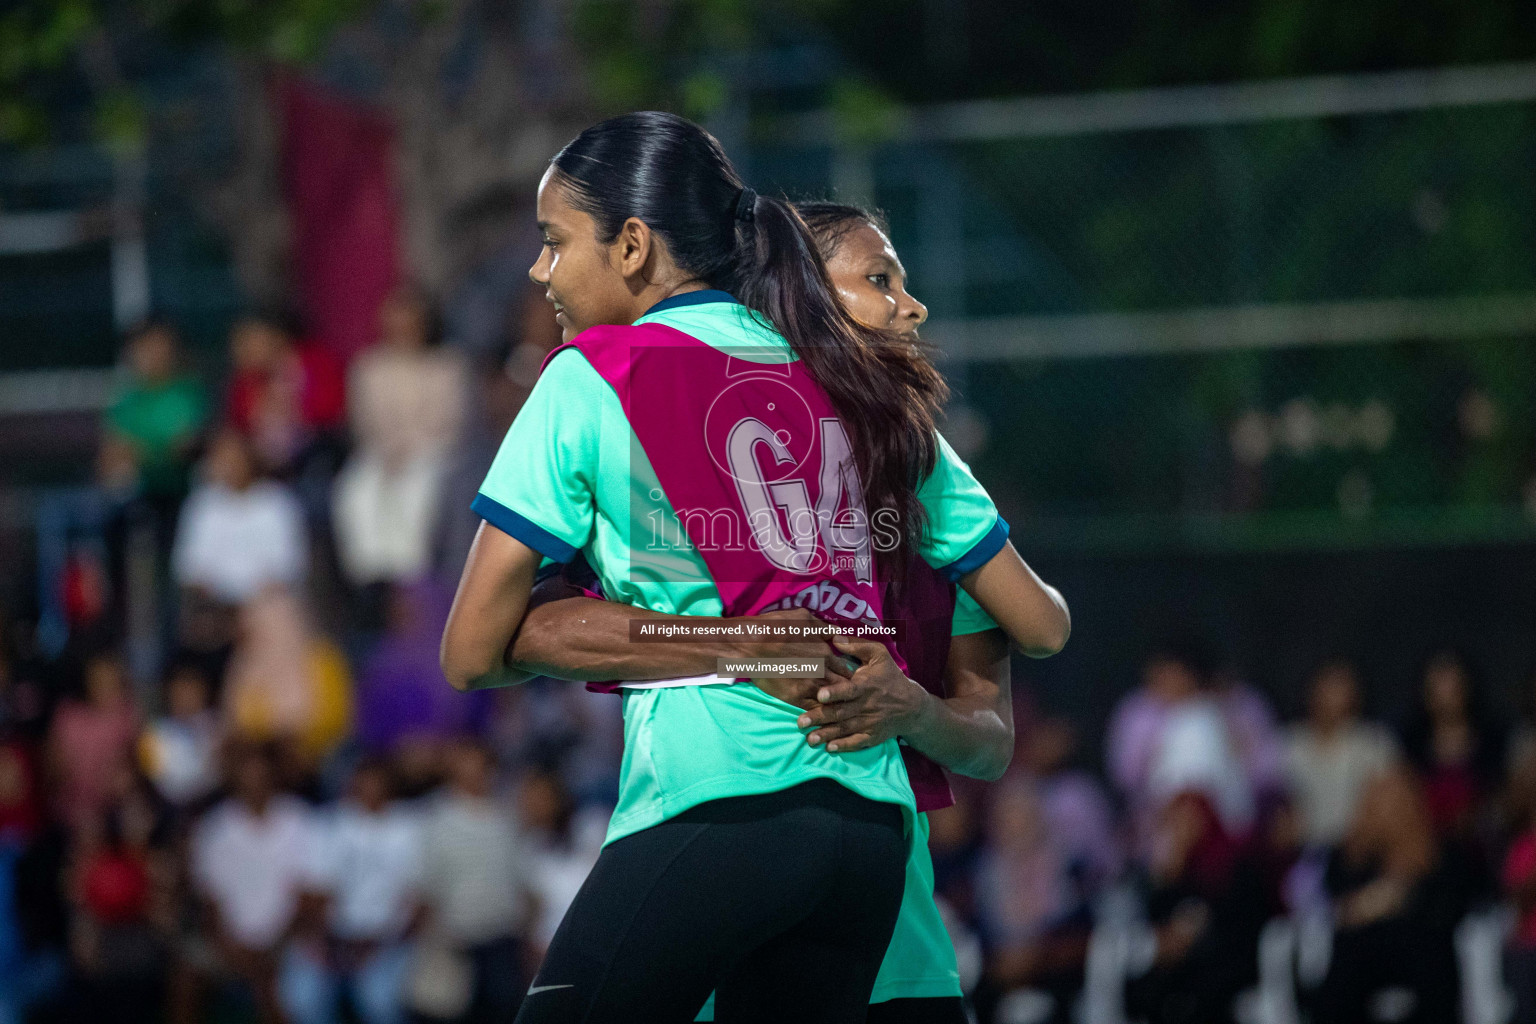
[52,51]
[645,55]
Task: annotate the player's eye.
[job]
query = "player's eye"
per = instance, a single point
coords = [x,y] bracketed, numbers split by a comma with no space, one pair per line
[881,281]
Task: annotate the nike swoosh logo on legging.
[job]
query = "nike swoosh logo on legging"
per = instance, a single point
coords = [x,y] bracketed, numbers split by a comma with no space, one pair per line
[546,988]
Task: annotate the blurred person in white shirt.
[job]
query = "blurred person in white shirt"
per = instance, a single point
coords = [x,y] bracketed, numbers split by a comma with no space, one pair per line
[406,396]
[1174,734]
[252,859]
[1332,754]
[476,885]
[1198,754]
[564,843]
[179,750]
[238,535]
[365,885]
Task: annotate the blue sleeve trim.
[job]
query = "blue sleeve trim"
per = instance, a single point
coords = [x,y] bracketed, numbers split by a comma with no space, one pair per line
[522,528]
[980,554]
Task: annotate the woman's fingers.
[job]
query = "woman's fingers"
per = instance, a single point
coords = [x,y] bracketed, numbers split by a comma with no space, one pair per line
[825,714]
[865,650]
[835,731]
[835,693]
[821,736]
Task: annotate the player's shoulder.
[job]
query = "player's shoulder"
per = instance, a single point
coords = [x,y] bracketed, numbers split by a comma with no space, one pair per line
[610,349]
[604,341]
[643,333]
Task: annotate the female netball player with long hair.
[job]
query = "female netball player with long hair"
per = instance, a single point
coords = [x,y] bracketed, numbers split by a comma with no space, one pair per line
[739,856]
[960,712]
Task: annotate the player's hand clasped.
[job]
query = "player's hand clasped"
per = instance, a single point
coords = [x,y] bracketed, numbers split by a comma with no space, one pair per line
[799,692]
[874,704]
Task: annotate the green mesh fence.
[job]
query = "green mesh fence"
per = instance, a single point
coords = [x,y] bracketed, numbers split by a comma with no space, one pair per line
[1424,435]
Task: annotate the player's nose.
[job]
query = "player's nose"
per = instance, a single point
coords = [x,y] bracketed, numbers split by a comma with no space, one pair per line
[911,311]
[539,272]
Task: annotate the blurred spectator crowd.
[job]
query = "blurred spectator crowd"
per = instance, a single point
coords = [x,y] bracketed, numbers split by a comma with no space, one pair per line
[233,785]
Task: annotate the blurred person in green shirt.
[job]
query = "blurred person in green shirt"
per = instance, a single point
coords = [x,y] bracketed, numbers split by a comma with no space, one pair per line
[156,417]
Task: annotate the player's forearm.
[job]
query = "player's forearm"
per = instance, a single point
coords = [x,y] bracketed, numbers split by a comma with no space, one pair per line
[586,639]
[964,734]
[971,730]
[1030,611]
[492,596]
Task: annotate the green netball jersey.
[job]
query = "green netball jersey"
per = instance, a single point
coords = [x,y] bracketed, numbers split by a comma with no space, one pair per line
[920,960]
[571,476]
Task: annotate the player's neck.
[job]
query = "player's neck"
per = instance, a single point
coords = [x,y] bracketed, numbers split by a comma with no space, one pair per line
[660,292]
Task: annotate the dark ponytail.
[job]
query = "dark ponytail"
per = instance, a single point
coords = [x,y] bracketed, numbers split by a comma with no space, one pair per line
[673,175]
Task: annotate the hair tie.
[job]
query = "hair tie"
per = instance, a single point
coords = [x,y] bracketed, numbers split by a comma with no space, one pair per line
[745,202]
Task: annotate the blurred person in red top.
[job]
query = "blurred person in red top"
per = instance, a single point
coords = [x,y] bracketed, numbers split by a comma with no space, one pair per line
[1206,904]
[119,882]
[285,394]
[1520,956]
[1456,744]
[19,811]
[91,739]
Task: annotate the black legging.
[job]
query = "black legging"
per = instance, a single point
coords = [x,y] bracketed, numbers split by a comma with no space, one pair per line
[782,903]
[938,1010]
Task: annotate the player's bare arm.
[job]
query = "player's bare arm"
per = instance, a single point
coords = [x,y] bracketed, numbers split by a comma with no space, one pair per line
[571,636]
[1030,611]
[490,602]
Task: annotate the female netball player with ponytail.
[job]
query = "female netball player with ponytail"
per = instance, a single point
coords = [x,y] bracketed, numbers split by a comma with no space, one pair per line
[960,713]
[739,858]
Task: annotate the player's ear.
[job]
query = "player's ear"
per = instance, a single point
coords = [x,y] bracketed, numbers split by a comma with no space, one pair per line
[633,247]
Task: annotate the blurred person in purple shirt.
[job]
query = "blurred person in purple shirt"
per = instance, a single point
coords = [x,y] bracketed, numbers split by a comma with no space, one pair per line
[1034,920]
[1077,810]
[400,691]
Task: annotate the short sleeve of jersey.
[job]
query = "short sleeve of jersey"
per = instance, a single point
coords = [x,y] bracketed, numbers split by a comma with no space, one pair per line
[964,529]
[541,486]
[969,616]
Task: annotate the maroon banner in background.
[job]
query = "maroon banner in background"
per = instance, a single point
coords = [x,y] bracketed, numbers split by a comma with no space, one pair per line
[338,171]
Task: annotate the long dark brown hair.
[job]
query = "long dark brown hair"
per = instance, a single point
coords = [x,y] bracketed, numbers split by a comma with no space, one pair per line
[831,222]
[674,176]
